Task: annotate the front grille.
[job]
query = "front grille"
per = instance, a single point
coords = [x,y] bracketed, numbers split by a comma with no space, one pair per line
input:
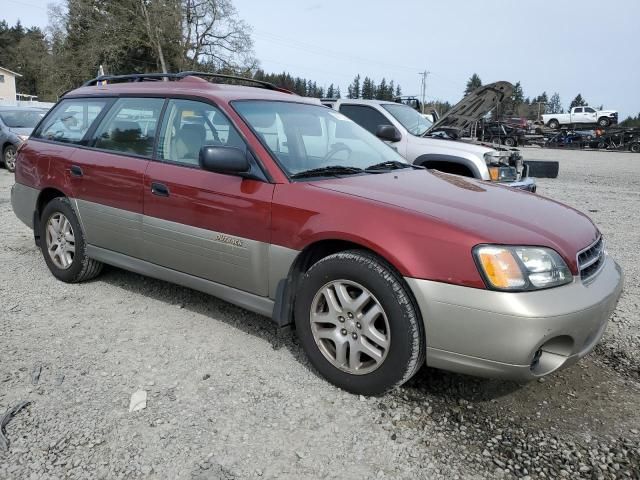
[591,259]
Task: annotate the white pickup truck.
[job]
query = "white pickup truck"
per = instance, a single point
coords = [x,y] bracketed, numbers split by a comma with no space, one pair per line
[581,115]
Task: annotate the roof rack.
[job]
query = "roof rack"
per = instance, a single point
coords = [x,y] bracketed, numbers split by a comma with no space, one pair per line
[154,77]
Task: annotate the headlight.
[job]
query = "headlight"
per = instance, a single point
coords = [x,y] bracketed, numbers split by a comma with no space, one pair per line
[23,138]
[495,157]
[521,268]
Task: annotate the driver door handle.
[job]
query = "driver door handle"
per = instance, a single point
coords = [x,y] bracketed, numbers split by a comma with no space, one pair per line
[76,171]
[159,189]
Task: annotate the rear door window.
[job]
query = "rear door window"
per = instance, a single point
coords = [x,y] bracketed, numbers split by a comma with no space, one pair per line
[188,126]
[70,120]
[130,127]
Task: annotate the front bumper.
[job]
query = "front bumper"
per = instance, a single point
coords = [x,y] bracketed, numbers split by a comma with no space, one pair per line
[519,336]
[526,183]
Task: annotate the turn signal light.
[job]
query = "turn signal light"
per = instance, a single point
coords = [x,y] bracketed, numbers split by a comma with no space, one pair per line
[501,268]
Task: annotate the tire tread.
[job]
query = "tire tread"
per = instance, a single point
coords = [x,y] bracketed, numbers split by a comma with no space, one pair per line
[382,268]
[90,268]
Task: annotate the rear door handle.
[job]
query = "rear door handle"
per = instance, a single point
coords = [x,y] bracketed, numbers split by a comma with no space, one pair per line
[76,171]
[159,189]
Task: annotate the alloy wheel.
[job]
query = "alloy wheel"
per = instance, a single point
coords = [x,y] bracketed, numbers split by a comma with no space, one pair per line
[10,158]
[61,242]
[350,327]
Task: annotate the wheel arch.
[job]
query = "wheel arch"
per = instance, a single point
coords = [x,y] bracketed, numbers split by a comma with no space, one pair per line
[6,144]
[449,164]
[283,310]
[46,195]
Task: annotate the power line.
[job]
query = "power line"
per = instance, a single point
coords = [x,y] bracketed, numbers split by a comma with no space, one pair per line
[25,4]
[306,47]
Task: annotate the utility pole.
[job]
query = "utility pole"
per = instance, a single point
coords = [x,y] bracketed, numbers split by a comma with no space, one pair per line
[423,88]
[539,105]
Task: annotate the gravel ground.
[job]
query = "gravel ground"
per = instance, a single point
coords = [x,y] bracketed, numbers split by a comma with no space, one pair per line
[230,397]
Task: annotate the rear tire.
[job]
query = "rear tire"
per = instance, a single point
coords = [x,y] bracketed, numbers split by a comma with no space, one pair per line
[63,245]
[348,302]
[635,147]
[554,124]
[9,157]
[510,142]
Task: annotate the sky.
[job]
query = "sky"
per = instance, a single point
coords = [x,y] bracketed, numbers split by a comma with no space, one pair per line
[569,47]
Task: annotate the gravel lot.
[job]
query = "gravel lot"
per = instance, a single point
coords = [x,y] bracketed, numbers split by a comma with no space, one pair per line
[230,397]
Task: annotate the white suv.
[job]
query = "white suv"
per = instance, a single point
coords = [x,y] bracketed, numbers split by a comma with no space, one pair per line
[408,133]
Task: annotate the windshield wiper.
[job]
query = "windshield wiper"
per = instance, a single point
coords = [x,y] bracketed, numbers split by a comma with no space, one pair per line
[389,165]
[327,171]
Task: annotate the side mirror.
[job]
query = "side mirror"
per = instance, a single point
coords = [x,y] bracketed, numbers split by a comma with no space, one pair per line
[229,160]
[388,133]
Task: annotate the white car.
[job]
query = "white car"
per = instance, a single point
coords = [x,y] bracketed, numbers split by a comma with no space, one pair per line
[581,115]
[407,131]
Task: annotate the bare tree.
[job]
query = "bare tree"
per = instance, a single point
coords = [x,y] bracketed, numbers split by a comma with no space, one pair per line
[161,19]
[212,34]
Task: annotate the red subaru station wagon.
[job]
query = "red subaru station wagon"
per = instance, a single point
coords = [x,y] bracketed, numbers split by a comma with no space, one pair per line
[287,208]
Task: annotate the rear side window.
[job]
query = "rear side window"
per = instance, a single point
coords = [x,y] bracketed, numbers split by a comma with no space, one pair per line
[367,117]
[130,126]
[70,120]
[578,110]
[188,126]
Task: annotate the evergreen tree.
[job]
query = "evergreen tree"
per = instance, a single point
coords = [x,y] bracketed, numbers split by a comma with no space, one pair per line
[368,89]
[337,94]
[354,88]
[300,86]
[398,91]
[578,102]
[382,91]
[472,84]
[330,91]
[518,94]
[631,122]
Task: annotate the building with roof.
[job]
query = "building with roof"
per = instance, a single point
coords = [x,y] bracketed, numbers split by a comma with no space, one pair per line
[8,85]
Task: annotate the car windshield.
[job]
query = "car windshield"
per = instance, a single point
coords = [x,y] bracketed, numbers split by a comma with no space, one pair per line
[20,118]
[410,119]
[315,139]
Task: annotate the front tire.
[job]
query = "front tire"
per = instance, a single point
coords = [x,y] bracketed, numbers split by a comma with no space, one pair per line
[9,157]
[510,142]
[63,245]
[358,324]
[635,147]
[604,122]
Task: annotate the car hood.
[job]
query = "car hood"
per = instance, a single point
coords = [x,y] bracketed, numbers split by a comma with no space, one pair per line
[454,145]
[21,131]
[490,213]
[608,112]
[474,106]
